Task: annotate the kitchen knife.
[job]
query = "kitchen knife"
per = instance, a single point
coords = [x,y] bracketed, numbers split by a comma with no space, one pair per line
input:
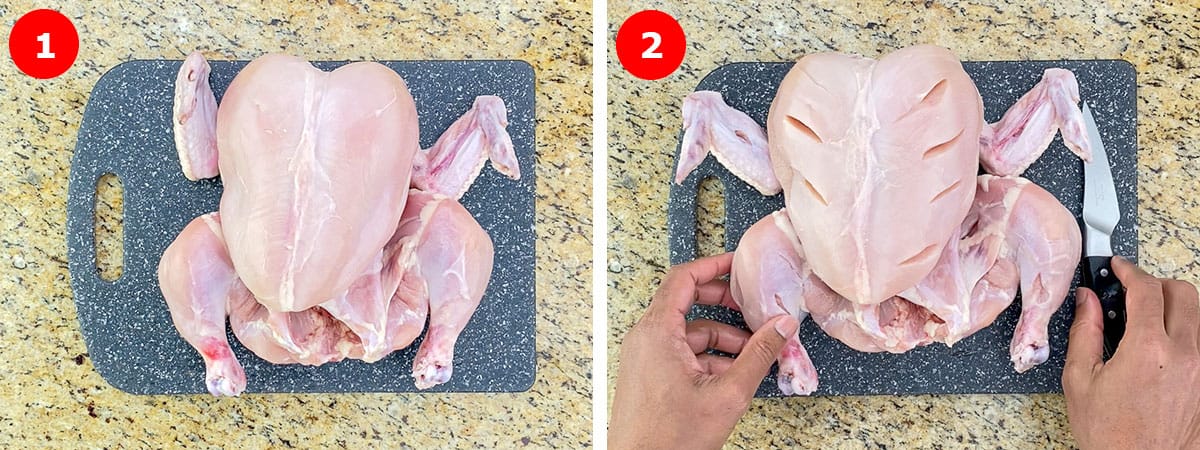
[1100,216]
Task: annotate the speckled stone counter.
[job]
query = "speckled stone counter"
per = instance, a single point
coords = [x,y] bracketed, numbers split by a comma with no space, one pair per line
[53,397]
[644,120]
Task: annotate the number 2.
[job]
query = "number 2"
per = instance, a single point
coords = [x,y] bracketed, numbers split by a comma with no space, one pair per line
[44,38]
[652,52]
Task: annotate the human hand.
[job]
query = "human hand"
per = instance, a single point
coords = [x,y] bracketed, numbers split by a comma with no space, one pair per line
[670,393]
[1148,394]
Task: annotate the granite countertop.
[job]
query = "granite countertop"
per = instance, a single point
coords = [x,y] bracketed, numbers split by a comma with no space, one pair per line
[52,393]
[644,122]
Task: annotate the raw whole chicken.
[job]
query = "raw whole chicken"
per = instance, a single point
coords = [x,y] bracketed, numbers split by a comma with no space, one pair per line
[337,236]
[889,240]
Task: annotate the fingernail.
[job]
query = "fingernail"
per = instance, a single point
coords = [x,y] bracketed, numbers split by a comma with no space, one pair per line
[1078,298]
[787,326]
[1118,257]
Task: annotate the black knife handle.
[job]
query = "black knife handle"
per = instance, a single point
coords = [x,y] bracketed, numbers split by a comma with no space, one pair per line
[1098,275]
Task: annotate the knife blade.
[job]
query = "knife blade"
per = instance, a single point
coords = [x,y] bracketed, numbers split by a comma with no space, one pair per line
[1101,213]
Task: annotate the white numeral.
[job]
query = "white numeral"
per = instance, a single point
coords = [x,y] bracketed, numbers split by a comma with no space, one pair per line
[44,38]
[652,52]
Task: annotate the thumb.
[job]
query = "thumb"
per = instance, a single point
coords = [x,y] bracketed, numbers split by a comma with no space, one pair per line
[1085,344]
[763,348]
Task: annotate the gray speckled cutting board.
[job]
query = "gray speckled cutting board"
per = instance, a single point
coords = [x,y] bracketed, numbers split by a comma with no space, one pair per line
[980,363]
[126,131]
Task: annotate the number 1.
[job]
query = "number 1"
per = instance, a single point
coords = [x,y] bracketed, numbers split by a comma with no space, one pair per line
[652,52]
[44,38]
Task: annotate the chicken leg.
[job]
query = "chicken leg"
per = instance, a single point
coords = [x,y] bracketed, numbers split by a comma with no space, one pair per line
[768,278]
[1045,241]
[198,283]
[451,256]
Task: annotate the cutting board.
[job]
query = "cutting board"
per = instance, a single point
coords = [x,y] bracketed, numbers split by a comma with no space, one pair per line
[979,363]
[132,342]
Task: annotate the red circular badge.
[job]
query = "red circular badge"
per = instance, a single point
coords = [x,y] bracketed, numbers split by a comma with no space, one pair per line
[650,44]
[43,43]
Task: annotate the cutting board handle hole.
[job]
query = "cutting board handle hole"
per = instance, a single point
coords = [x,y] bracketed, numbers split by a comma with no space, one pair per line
[710,217]
[109,227]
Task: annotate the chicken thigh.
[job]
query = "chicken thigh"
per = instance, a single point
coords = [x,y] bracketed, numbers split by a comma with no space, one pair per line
[322,250]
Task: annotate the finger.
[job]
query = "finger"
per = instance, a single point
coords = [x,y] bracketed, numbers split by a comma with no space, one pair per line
[715,292]
[1085,343]
[1143,298]
[678,290]
[756,357]
[1182,318]
[714,364]
[705,334]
